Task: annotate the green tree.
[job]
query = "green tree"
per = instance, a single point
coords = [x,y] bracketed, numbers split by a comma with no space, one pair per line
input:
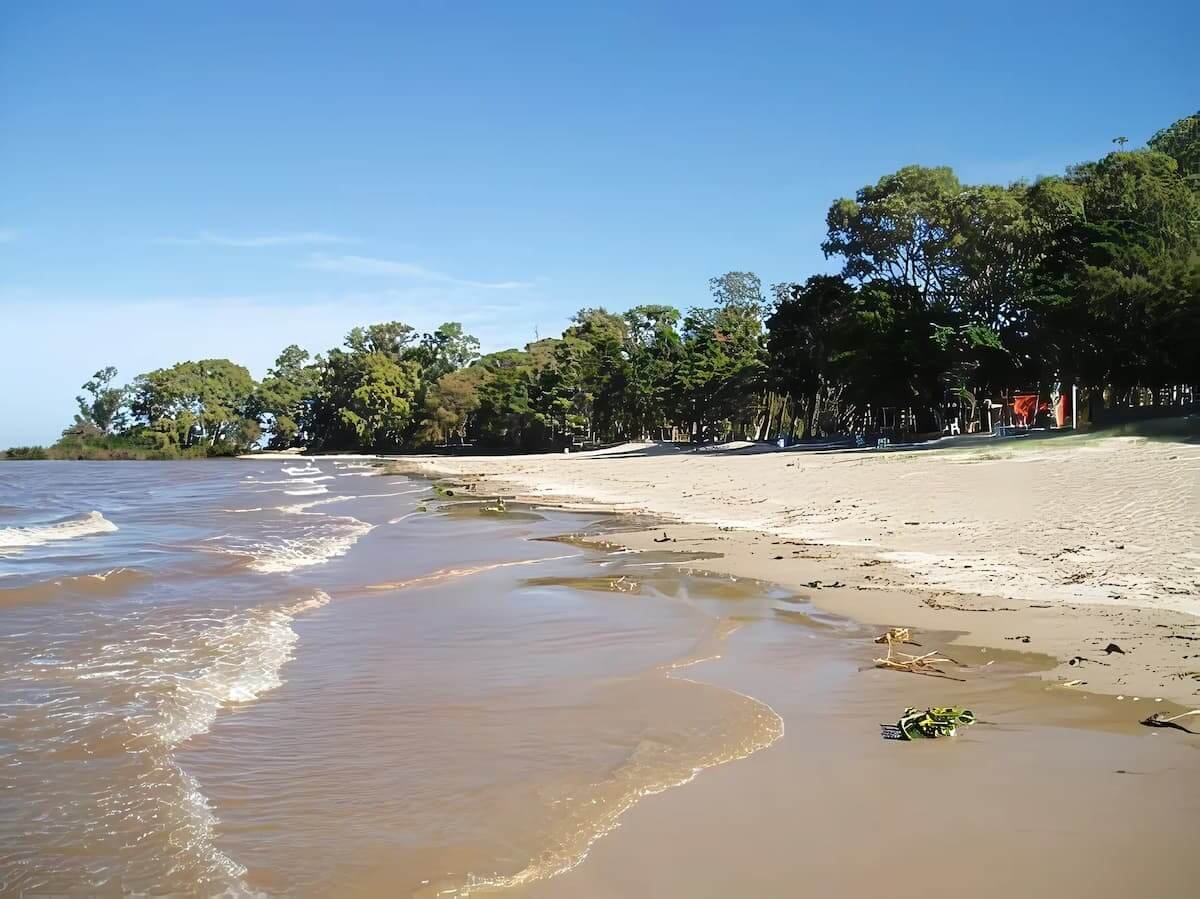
[898,229]
[652,351]
[505,415]
[1099,289]
[451,403]
[591,363]
[1181,141]
[804,328]
[366,392]
[285,394]
[1143,192]
[379,408]
[447,349]
[894,350]
[208,403]
[738,290]
[719,370]
[102,406]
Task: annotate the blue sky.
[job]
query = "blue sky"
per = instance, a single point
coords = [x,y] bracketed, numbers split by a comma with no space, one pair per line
[182,180]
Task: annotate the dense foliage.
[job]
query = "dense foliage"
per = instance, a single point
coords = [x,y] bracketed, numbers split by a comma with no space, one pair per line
[948,294]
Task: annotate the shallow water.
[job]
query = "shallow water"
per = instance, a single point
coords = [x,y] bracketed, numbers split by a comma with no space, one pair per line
[285,679]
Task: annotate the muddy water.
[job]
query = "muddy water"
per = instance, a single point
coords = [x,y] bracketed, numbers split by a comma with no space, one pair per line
[314,679]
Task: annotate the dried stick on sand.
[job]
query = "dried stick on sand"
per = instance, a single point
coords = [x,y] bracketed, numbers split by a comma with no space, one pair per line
[903,661]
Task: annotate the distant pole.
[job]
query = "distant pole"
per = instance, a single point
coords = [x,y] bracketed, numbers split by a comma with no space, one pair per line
[1074,405]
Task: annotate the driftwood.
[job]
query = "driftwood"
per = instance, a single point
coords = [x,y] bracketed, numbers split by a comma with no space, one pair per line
[1157,720]
[923,664]
[897,635]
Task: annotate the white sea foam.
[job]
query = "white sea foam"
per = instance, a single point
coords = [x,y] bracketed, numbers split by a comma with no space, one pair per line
[308,469]
[402,517]
[288,555]
[247,654]
[307,491]
[301,508]
[315,544]
[67,529]
[143,685]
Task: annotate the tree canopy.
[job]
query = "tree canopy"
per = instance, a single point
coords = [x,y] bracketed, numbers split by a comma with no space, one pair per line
[945,294]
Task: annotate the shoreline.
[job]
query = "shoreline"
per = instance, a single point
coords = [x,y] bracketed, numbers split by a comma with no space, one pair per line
[1159,642]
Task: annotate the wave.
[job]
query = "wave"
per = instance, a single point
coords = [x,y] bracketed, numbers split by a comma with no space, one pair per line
[66,529]
[105,583]
[247,654]
[401,518]
[293,470]
[315,544]
[307,491]
[144,685]
[746,726]
[301,508]
[446,574]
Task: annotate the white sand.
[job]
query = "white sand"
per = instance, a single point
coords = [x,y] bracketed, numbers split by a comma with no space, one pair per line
[1073,519]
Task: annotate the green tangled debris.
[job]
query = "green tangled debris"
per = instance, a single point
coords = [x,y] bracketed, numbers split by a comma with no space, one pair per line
[928,724]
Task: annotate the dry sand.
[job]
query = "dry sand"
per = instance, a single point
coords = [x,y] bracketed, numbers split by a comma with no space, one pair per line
[1060,546]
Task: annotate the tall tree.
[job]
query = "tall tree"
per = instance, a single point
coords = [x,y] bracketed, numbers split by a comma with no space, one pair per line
[367,391]
[804,329]
[102,406]
[207,403]
[898,229]
[593,348]
[285,395]
[719,370]
[652,351]
[1181,141]
[450,404]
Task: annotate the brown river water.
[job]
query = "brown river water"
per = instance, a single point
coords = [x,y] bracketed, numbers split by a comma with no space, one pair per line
[312,678]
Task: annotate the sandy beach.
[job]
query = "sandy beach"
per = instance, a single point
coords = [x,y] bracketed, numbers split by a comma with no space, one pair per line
[1060,546]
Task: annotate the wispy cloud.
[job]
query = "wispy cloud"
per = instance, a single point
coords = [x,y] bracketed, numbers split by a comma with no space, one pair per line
[365,265]
[7,235]
[208,238]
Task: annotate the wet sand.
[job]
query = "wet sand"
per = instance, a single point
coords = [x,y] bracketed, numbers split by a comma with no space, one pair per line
[1055,795]
[1074,542]
[1058,791]
[1054,792]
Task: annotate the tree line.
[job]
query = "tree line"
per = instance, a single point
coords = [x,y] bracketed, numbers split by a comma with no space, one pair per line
[949,294]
